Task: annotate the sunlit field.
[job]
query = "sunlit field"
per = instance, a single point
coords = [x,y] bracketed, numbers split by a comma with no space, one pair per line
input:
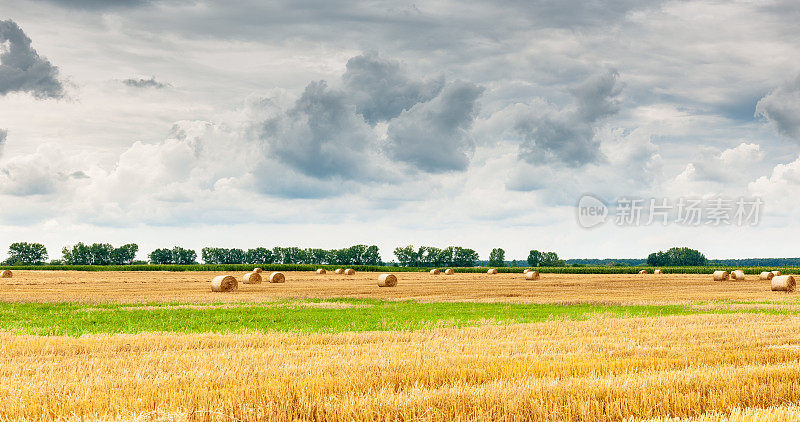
[161,346]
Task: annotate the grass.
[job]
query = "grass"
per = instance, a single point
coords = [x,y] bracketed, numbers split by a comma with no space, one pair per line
[305,316]
[384,268]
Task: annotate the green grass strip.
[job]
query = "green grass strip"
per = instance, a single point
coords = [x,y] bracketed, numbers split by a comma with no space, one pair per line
[304,316]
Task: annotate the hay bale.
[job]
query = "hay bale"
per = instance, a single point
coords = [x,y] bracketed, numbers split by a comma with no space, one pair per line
[387,280]
[657,272]
[321,271]
[491,271]
[277,277]
[339,271]
[349,271]
[252,278]
[224,283]
[6,274]
[257,270]
[776,273]
[643,272]
[720,275]
[532,275]
[449,271]
[434,272]
[766,275]
[783,283]
[737,275]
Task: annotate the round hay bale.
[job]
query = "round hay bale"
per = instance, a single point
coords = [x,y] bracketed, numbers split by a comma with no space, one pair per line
[776,273]
[277,277]
[720,275]
[643,272]
[339,271]
[532,275]
[257,270]
[766,275]
[349,271]
[6,274]
[491,271]
[224,283]
[783,283]
[435,272]
[321,271]
[449,271]
[252,278]
[737,275]
[657,272]
[387,280]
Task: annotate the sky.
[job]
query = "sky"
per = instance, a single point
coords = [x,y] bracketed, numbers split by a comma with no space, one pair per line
[331,123]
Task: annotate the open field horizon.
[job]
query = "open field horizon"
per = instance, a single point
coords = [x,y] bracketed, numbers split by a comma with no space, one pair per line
[184,287]
[577,347]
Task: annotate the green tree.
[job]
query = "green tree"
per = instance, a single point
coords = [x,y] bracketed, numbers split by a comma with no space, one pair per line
[534,258]
[101,253]
[259,256]
[80,254]
[124,254]
[677,256]
[161,256]
[463,257]
[183,256]
[406,256]
[497,258]
[25,253]
[550,259]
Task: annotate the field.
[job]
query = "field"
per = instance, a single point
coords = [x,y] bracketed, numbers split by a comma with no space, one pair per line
[161,346]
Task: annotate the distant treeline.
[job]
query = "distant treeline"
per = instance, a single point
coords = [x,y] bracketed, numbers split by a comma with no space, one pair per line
[756,262]
[104,254]
[608,262]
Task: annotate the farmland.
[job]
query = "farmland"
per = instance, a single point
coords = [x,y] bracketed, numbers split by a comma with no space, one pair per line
[160,346]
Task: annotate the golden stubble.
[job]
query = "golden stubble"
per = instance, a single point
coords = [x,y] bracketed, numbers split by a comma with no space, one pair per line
[701,366]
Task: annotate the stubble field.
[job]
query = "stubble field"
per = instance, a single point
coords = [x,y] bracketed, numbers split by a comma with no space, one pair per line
[566,347]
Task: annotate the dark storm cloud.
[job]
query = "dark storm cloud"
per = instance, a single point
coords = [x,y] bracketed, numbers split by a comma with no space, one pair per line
[329,133]
[434,136]
[381,89]
[320,136]
[21,67]
[568,135]
[144,83]
[782,108]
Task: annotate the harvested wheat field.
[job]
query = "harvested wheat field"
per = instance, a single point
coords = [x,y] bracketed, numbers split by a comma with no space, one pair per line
[162,346]
[599,369]
[147,286]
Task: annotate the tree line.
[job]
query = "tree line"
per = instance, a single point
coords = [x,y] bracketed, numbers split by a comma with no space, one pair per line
[677,257]
[24,253]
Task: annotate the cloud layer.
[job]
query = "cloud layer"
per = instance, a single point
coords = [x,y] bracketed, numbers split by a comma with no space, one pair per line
[21,67]
[451,121]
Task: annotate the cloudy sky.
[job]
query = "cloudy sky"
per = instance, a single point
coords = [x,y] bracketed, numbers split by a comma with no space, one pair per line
[330,123]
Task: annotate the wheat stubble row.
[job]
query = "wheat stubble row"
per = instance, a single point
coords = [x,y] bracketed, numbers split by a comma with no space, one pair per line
[611,369]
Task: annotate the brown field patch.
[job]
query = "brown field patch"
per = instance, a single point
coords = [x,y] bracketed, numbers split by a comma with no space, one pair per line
[194,287]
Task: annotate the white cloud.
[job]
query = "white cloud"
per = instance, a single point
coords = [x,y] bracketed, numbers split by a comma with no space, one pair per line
[370,152]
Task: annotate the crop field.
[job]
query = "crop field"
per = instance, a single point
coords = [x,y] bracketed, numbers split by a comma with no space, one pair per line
[578,347]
